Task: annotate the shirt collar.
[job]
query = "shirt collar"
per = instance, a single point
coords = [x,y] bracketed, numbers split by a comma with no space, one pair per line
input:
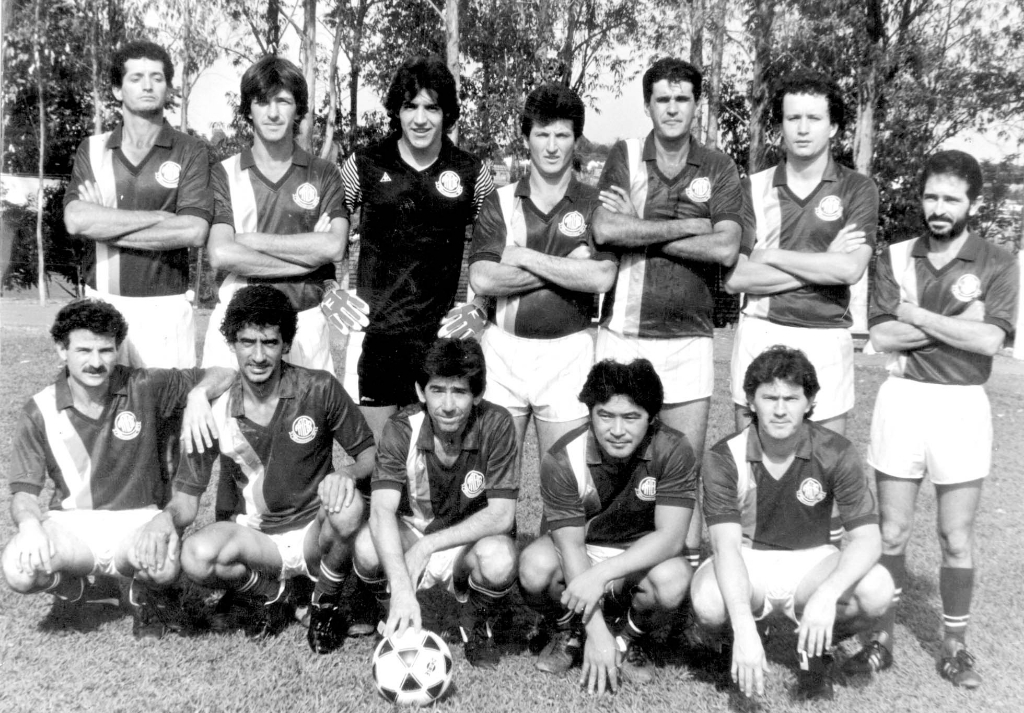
[470,439]
[572,191]
[596,456]
[831,173]
[299,158]
[286,391]
[756,453]
[165,139]
[694,157]
[118,386]
[968,251]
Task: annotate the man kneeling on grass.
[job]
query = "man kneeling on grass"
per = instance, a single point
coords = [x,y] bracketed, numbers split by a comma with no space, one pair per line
[768,495]
[618,495]
[94,433]
[285,512]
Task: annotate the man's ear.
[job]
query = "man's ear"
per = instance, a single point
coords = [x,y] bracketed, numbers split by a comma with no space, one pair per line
[420,393]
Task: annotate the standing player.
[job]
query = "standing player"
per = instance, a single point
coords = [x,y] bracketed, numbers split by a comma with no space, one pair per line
[443,506]
[768,495]
[289,512]
[533,250]
[618,495]
[94,433]
[812,223]
[139,197]
[942,306]
[673,209]
[418,193]
[279,216]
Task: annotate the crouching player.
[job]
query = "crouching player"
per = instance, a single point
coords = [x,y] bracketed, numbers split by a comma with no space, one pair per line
[443,503]
[768,495]
[94,433]
[618,495]
[283,510]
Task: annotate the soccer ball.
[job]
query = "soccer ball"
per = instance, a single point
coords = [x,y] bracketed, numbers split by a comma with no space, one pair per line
[414,669]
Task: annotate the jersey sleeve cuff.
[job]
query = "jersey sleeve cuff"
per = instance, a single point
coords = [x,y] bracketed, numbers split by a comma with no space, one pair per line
[483,257]
[29,488]
[682,501]
[723,519]
[578,521]
[360,447]
[189,488]
[734,217]
[869,519]
[1001,323]
[505,493]
[881,319]
[197,212]
[386,485]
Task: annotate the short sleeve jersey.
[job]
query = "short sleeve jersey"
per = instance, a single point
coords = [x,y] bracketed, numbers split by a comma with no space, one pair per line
[656,297]
[249,202]
[412,231]
[615,501]
[550,311]
[774,217]
[795,511]
[433,495]
[174,177]
[981,271]
[108,463]
[269,474]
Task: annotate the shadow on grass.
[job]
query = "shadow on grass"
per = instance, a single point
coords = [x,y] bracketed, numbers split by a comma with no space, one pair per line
[916,612]
[82,618]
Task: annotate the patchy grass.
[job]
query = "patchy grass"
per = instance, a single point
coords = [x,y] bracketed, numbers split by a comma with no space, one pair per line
[97,666]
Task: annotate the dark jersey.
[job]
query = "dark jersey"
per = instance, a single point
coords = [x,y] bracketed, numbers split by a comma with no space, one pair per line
[174,177]
[249,202]
[269,474]
[981,271]
[434,496]
[509,217]
[108,463]
[774,217]
[795,511]
[615,501]
[656,297]
[412,231]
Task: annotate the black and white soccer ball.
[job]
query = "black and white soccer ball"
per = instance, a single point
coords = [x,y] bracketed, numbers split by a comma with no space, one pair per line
[414,669]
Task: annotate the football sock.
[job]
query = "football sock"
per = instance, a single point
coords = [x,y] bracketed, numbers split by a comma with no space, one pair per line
[378,586]
[692,558]
[897,566]
[328,585]
[836,530]
[261,586]
[69,588]
[629,629]
[956,586]
[482,601]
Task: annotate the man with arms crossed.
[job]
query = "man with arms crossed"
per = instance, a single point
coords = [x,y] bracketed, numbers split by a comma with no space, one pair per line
[443,506]
[768,495]
[942,306]
[283,511]
[533,250]
[618,495]
[672,209]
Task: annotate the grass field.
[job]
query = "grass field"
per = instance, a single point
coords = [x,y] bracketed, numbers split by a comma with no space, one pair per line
[97,666]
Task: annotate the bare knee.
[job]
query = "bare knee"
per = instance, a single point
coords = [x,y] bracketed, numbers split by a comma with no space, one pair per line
[538,567]
[957,545]
[874,592]
[199,556]
[706,599]
[364,553]
[895,535]
[346,523]
[665,586]
[495,561]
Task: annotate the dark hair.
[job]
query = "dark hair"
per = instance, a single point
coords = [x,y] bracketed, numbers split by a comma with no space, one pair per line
[259,306]
[638,380]
[139,49]
[455,359]
[266,78]
[674,70]
[785,364]
[419,73]
[804,81]
[955,163]
[91,314]
[550,103]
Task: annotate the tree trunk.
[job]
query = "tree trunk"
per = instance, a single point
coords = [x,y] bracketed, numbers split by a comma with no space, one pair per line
[305,137]
[760,24]
[451,34]
[868,88]
[185,49]
[40,195]
[714,74]
[327,149]
[698,13]
[97,86]
[356,57]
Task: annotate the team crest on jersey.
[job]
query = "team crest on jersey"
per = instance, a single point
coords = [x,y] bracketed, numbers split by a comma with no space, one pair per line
[449,184]
[699,190]
[306,196]
[967,288]
[648,489]
[573,224]
[168,174]
[810,493]
[829,208]
[127,426]
[303,430]
[385,178]
[473,484]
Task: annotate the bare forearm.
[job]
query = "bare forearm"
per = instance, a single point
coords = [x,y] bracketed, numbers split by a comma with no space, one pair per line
[493,279]
[966,334]
[235,257]
[25,507]
[362,467]
[182,510]
[309,249]
[594,276]
[759,279]
[733,582]
[721,247]
[632,232]
[173,233]
[215,381]
[857,558]
[100,223]
[388,543]
[819,268]
[895,336]
[649,550]
[489,521]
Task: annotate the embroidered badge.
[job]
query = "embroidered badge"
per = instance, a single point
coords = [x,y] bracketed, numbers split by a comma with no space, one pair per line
[967,288]
[168,174]
[385,178]
[810,493]
[573,224]
[126,426]
[829,208]
[473,484]
[648,489]
[699,190]
[303,430]
[449,184]
[306,196]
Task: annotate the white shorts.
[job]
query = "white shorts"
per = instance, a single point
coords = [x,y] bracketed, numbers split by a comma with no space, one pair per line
[544,376]
[829,350]
[291,546]
[686,365]
[103,531]
[161,330]
[598,554]
[939,429]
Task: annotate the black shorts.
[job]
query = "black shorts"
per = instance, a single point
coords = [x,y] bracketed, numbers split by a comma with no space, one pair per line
[389,366]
